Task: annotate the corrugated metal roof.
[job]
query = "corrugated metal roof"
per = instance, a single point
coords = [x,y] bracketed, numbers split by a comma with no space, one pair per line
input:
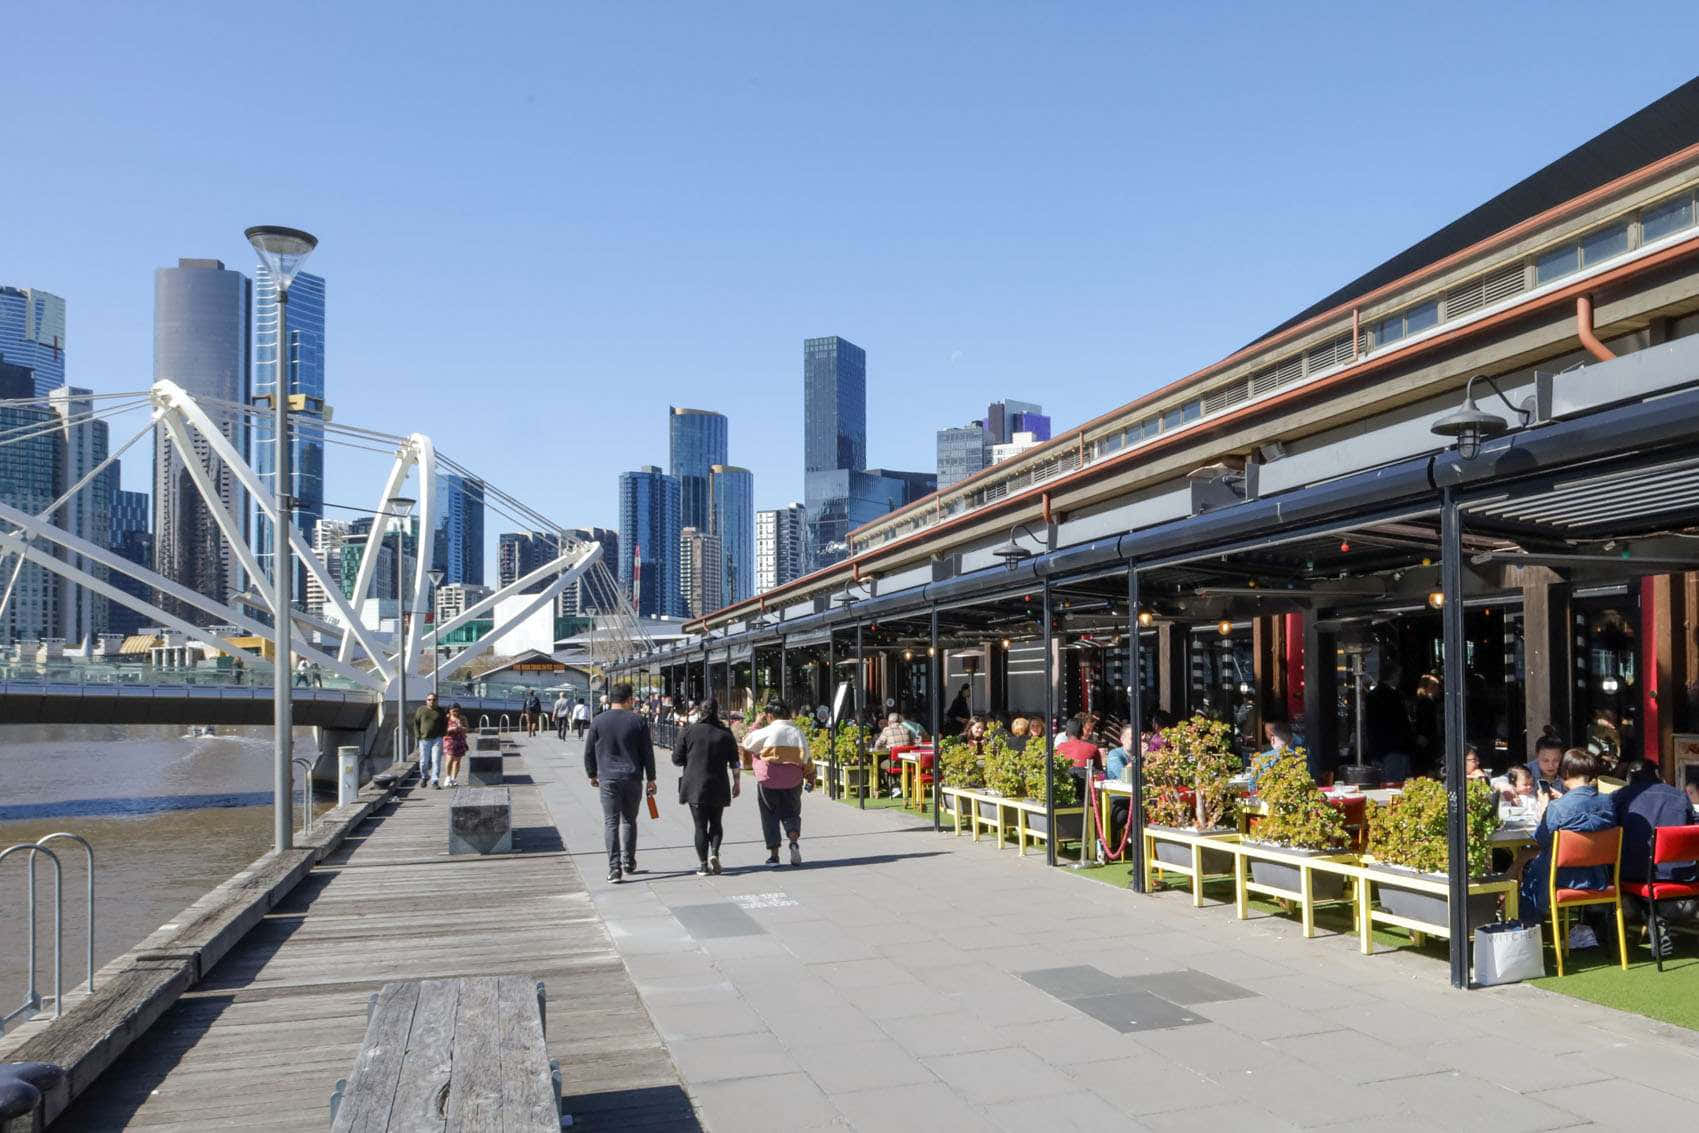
[138,643]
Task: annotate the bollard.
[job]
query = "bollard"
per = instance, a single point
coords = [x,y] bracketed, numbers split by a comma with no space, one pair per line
[347,775]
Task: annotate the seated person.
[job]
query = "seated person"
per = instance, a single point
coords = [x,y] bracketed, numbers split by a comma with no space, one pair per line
[916,733]
[1472,768]
[893,734]
[1545,766]
[1081,753]
[1118,763]
[1581,808]
[1279,743]
[1517,798]
[1644,804]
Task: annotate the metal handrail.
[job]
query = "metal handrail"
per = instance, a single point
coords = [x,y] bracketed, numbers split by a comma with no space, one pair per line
[483,720]
[88,852]
[306,793]
[32,998]
[505,726]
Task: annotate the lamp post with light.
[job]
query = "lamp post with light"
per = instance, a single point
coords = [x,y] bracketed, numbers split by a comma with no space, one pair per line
[437,575]
[283,251]
[399,508]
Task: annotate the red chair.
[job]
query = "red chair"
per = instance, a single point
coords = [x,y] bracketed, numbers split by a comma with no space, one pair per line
[1576,849]
[1671,845]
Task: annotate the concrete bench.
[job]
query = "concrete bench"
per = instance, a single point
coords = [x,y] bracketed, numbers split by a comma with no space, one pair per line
[483,762]
[480,821]
[457,1055]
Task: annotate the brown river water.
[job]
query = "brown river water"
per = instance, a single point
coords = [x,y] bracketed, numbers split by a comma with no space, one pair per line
[169,817]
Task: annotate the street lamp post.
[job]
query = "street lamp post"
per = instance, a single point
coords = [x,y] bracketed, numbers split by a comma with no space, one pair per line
[437,575]
[399,507]
[591,611]
[283,251]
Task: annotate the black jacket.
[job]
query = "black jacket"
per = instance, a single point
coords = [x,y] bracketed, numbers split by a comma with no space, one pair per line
[706,752]
[618,747]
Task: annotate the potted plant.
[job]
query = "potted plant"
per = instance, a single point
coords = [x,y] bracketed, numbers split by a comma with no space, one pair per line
[960,766]
[1064,788]
[1004,774]
[1408,836]
[1188,786]
[1300,819]
[853,758]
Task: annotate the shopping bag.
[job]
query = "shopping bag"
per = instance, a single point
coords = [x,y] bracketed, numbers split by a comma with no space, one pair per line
[1506,953]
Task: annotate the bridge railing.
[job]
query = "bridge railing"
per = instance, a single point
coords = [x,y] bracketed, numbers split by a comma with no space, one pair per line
[99,674]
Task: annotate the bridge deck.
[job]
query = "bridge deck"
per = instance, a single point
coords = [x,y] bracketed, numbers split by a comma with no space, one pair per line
[261,1041]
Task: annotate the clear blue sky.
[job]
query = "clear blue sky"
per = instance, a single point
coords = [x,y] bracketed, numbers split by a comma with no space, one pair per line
[543,223]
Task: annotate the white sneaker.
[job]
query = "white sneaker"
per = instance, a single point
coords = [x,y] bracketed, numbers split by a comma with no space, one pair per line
[1582,937]
[796,854]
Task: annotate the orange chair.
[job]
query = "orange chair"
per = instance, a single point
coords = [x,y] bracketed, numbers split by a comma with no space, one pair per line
[1575,849]
[1670,845]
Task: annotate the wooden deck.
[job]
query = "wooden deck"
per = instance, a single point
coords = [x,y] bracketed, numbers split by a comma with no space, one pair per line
[262,1040]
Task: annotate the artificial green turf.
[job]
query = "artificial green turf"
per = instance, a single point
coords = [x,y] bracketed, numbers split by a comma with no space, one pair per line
[1596,976]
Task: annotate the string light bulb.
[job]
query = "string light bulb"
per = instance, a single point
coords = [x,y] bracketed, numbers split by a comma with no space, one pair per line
[1147,618]
[1224,627]
[1436,598]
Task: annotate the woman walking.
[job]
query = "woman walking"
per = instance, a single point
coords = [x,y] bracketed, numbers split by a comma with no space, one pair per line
[454,744]
[706,751]
[779,753]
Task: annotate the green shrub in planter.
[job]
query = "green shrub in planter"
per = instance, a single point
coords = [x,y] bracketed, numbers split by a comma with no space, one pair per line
[1409,831]
[851,752]
[1299,815]
[1063,784]
[1197,756]
[1004,772]
[960,765]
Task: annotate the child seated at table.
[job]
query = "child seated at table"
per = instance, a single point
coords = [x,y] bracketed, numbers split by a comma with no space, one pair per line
[1580,808]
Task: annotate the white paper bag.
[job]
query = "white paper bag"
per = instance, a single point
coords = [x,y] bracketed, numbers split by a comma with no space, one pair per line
[1506,953]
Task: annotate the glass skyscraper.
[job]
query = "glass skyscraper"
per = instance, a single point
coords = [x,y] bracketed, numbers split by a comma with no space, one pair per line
[696,441]
[306,425]
[28,470]
[733,492]
[962,451]
[130,537]
[32,335]
[648,540]
[457,544]
[834,442]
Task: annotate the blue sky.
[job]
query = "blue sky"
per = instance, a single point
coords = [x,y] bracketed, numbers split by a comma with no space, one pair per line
[543,223]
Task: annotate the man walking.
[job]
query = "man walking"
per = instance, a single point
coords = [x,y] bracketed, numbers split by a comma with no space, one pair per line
[562,715]
[533,714]
[580,717]
[429,726]
[619,758]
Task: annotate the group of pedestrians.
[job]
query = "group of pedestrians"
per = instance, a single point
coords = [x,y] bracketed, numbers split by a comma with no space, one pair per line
[442,743]
[619,758]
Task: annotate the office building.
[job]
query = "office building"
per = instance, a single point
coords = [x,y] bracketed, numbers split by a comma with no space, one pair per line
[732,491]
[32,335]
[130,538]
[700,557]
[962,451]
[781,546]
[696,441]
[1016,445]
[80,445]
[457,544]
[842,500]
[834,422]
[353,549]
[455,598]
[328,537]
[200,342]
[595,588]
[28,471]
[648,540]
[1003,419]
[520,553]
[305,358]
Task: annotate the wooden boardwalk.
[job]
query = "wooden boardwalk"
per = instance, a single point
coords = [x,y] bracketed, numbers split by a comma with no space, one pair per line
[262,1040]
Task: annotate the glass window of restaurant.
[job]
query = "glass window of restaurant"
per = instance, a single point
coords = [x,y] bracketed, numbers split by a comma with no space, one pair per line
[1223,681]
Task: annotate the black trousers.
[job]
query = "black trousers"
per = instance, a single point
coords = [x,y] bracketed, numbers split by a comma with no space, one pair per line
[561,723]
[779,806]
[621,799]
[709,830]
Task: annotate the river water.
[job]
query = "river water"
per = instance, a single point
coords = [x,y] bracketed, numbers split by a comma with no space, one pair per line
[169,816]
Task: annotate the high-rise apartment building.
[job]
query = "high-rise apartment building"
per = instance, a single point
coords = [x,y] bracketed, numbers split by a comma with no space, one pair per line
[353,549]
[696,441]
[80,445]
[520,553]
[32,335]
[28,472]
[1003,419]
[781,546]
[700,557]
[305,358]
[962,451]
[200,342]
[454,598]
[732,492]
[457,544]
[648,542]
[130,537]
[328,537]
[595,589]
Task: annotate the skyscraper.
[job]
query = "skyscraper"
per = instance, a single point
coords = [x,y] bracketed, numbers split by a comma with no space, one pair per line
[781,546]
[32,335]
[201,342]
[1003,419]
[132,512]
[28,470]
[329,535]
[700,558]
[648,540]
[733,513]
[520,553]
[306,426]
[79,445]
[962,451]
[594,590]
[457,545]
[696,441]
[842,500]
[834,422]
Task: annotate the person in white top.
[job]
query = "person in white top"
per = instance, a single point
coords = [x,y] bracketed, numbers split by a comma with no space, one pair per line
[563,715]
[580,718]
[779,756]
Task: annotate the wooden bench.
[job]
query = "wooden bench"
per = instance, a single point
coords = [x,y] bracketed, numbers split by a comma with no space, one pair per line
[457,1055]
[480,821]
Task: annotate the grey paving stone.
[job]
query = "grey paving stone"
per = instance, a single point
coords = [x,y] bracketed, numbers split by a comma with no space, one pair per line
[841,1067]
[700,1020]
[779,1104]
[812,1025]
[1073,1042]
[1073,982]
[1617,1101]
[1014,1002]
[1474,1105]
[1218,1119]
[1210,1049]
[1188,987]
[951,1032]
[994,1076]
[1356,1057]
[716,919]
[930,1108]
[1267,1019]
[1146,1085]
[1130,1011]
[1078,1112]
[850,974]
[731,1056]
[899,999]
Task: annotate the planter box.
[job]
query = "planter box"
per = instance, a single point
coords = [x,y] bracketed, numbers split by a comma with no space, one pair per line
[1178,853]
[988,808]
[1068,826]
[1430,908]
[1279,875]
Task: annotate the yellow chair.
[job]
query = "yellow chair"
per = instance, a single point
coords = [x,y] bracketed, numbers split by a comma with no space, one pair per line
[1576,849]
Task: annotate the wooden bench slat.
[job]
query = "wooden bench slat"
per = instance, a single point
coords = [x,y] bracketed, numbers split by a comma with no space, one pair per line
[474,1096]
[528,1094]
[426,1071]
[370,1096]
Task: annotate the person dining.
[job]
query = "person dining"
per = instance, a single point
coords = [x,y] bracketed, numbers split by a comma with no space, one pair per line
[1082,753]
[1580,808]
[1545,766]
[1642,806]
[1279,739]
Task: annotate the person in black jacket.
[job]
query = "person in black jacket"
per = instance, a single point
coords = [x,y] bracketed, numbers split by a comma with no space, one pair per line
[705,751]
[619,756]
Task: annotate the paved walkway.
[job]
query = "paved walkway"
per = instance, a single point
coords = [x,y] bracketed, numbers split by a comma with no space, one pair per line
[906,980]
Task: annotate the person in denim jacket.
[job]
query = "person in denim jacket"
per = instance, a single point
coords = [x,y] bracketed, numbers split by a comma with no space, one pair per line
[1581,807]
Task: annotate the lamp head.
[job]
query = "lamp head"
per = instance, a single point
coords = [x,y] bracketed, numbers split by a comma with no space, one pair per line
[437,574]
[282,250]
[1469,426]
[401,506]
[1012,553]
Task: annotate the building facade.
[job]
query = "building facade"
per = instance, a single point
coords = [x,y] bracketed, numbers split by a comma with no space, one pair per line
[834,447]
[962,451]
[28,473]
[454,598]
[521,552]
[328,537]
[1003,419]
[696,442]
[305,358]
[649,543]
[81,445]
[700,560]
[732,491]
[131,538]
[595,589]
[201,342]
[781,546]
[32,335]
[457,547]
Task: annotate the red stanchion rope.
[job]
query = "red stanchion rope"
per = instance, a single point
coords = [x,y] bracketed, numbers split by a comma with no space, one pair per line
[1120,851]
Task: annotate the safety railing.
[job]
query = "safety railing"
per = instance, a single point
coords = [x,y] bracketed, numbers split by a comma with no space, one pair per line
[32,1001]
[505,726]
